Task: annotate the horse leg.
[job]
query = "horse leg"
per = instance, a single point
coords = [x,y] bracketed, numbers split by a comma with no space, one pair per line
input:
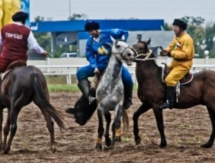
[1,120]
[6,129]
[117,124]
[108,120]
[210,142]
[118,134]
[15,109]
[100,129]
[113,134]
[142,109]
[50,127]
[159,119]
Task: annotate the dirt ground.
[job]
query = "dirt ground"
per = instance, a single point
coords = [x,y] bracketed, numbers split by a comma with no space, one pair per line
[185,131]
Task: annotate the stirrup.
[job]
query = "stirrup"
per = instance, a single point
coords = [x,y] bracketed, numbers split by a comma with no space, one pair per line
[165,105]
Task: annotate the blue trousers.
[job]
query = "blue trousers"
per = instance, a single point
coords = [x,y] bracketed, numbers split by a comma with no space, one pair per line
[88,71]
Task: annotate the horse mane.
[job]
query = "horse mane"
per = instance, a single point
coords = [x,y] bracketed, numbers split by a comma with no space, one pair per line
[16,64]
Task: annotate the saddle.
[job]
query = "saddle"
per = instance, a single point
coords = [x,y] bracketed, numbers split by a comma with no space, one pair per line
[11,67]
[187,79]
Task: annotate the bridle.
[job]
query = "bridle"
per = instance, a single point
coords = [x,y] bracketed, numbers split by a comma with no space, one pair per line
[145,55]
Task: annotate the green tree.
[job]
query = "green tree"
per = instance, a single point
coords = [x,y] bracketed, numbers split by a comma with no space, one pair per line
[76,16]
[167,27]
[196,30]
[39,19]
[44,39]
[209,38]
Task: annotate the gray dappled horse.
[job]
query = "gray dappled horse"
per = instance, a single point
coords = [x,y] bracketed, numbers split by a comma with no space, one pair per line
[21,85]
[110,93]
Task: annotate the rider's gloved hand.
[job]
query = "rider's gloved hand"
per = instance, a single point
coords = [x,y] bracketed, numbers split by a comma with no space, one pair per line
[164,53]
[45,53]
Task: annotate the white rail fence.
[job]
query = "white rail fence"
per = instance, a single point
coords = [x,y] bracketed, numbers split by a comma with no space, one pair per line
[70,70]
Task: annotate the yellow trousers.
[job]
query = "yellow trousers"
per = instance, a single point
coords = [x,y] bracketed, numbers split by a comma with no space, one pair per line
[7,9]
[176,74]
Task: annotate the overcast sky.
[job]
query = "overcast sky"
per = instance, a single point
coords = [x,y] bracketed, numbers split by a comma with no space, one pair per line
[122,9]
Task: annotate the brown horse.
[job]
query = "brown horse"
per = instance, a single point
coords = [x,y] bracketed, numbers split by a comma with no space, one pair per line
[151,92]
[21,85]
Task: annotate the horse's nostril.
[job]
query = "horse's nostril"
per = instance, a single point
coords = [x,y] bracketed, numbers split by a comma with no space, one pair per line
[129,54]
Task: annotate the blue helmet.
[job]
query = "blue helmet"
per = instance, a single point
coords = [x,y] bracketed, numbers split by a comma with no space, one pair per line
[91,25]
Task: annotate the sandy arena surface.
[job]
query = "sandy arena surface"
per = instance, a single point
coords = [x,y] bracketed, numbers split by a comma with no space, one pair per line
[185,131]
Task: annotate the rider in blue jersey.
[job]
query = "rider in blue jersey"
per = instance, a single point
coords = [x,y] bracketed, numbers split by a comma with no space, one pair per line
[97,55]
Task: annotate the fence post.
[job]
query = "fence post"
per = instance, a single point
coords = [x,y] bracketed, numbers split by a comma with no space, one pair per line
[206,53]
[48,63]
[70,79]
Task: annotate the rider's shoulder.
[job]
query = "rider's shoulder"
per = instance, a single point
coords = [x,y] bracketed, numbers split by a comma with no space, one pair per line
[186,36]
[89,40]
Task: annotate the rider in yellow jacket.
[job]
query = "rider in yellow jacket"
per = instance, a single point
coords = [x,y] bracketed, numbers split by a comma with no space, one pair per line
[181,49]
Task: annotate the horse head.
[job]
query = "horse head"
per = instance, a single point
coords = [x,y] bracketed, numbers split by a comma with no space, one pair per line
[142,51]
[122,51]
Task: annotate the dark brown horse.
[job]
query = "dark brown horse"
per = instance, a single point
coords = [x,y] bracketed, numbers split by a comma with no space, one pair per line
[19,87]
[151,92]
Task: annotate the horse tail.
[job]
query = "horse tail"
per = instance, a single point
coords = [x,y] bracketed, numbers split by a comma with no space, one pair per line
[41,98]
[125,120]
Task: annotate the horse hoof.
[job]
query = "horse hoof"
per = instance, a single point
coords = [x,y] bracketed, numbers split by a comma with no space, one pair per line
[98,147]
[107,142]
[117,139]
[53,149]
[162,145]
[207,145]
[6,151]
[112,145]
[138,141]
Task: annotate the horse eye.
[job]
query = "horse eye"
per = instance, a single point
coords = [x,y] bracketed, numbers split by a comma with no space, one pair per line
[117,46]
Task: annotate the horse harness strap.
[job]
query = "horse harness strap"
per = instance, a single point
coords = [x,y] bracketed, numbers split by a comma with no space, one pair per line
[5,74]
[146,55]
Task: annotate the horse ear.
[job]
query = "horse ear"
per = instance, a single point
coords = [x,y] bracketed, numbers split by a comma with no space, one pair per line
[70,111]
[149,41]
[112,39]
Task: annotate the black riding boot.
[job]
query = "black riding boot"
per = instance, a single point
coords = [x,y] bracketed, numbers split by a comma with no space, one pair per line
[128,90]
[170,98]
[85,88]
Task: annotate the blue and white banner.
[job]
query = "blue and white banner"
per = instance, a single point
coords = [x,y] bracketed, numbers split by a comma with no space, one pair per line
[25,7]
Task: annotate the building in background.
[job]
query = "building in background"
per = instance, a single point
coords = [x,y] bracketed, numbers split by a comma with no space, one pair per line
[71,33]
